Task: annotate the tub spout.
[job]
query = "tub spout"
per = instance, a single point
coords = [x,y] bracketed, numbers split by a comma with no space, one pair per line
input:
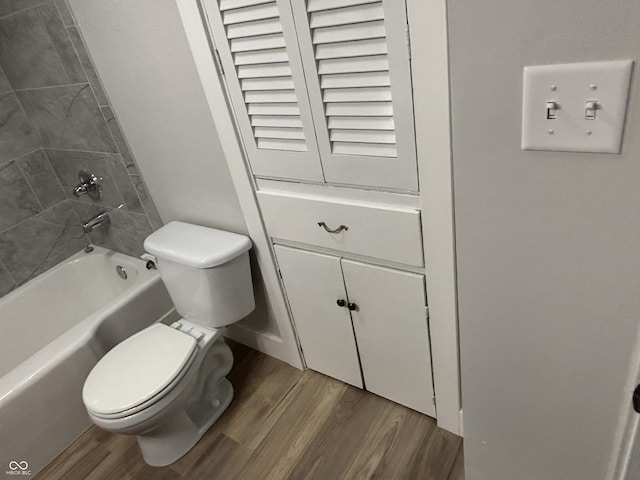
[101,218]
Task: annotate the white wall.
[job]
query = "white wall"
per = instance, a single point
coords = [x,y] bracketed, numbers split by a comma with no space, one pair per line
[548,246]
[142,55]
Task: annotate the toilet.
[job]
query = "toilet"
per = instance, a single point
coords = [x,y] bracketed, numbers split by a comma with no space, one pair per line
[167,384]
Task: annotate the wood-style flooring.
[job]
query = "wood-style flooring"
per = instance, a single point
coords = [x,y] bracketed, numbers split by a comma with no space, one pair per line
[283,424]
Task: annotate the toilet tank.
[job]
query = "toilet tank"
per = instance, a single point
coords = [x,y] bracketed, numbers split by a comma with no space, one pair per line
[206,272]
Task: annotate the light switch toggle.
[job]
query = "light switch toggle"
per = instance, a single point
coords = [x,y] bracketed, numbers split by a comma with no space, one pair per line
[552,110]
[590,110]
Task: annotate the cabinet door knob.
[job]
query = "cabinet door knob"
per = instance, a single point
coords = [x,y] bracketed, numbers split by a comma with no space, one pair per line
[341,302]
[353,306]
[334,230]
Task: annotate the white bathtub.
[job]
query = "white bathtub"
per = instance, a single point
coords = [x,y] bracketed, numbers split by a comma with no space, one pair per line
[53,330]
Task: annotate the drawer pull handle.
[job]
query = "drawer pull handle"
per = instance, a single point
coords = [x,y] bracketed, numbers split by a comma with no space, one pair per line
[353,306]
[341,302]
[335,230]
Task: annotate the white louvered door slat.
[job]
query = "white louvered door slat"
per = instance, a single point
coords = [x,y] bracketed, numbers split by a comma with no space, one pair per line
[356,61]
[257,44]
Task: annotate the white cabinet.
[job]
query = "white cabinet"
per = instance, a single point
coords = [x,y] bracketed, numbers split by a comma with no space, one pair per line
[369,229]
[321,89]
[381,331]
[314,104]
[314,285]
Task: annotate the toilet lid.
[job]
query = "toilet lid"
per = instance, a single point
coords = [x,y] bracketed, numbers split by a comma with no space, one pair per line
[137,369]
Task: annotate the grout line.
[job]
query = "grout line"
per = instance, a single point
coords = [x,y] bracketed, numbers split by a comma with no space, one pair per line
[26,179]
[48,256]
[67,113]
[66,67]
[138,194]
[102,109]
[34,130]
[71,15]
[55,174]
[2,232]
[79,151]
[13,279]
[20,156]
[93,90]
[53,86]
[22,10]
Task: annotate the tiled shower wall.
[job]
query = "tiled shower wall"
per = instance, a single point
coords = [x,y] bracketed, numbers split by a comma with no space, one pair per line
[55,119]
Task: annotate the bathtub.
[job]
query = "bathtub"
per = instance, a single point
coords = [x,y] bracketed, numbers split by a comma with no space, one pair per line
[53,330]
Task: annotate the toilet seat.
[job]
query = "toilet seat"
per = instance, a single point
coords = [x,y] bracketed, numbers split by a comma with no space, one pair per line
[138,372]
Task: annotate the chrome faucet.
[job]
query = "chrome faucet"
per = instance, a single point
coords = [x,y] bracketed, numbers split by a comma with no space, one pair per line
[88,184]
[101,218]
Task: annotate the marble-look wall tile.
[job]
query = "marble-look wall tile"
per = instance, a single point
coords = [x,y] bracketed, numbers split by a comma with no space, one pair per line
[41,177]
[67,118]
[87,64]
[147,203]
[41,242]
[56,123]
[17,201]
[123,181]
[125,233]
[67,164]
[6,281]
[16,135]
[121,143]
[11,6]
[36,50]
[5,86]
[103,235]
[65,12]
[131,229]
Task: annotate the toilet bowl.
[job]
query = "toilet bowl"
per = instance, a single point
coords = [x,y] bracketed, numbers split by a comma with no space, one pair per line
[167,384]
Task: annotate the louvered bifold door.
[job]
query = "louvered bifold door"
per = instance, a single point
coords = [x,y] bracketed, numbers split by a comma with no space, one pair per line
[257,45]
[356,59]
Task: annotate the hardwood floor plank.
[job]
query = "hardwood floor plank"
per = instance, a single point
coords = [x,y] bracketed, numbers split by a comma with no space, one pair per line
[331,453]
[404,457]
[145,472]
[457,472]
[283,424]
[224,459]
[379,438]
[305,410]
[75,464]
[251,386]
[439,456]
[123,459]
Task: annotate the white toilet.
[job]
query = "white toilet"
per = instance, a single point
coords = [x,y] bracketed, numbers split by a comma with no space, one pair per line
[166,384]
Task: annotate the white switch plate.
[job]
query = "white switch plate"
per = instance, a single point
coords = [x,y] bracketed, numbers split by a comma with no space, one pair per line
[571,86]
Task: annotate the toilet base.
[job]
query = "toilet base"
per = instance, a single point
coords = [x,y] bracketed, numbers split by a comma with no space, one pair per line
[175,437]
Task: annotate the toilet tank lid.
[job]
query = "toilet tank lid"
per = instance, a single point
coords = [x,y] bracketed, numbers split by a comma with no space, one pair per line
[196,246]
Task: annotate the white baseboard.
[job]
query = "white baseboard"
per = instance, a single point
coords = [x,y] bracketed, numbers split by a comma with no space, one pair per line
[268,344]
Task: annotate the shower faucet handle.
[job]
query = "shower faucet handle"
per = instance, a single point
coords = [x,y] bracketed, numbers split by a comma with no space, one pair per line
[88,185]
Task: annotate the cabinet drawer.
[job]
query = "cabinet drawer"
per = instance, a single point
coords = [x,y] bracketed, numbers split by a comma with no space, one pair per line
[377,231]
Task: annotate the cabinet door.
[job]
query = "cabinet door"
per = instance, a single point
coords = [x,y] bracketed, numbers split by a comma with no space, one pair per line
[259,52]
[313,283]
[356,59]
[392,333]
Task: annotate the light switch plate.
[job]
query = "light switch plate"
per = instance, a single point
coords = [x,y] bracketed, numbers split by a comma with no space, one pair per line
[572,88]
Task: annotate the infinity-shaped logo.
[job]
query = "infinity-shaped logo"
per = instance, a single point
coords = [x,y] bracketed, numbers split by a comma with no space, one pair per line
[23,465]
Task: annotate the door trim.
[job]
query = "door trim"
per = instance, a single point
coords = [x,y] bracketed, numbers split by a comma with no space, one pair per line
[625,457]
[430,72]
